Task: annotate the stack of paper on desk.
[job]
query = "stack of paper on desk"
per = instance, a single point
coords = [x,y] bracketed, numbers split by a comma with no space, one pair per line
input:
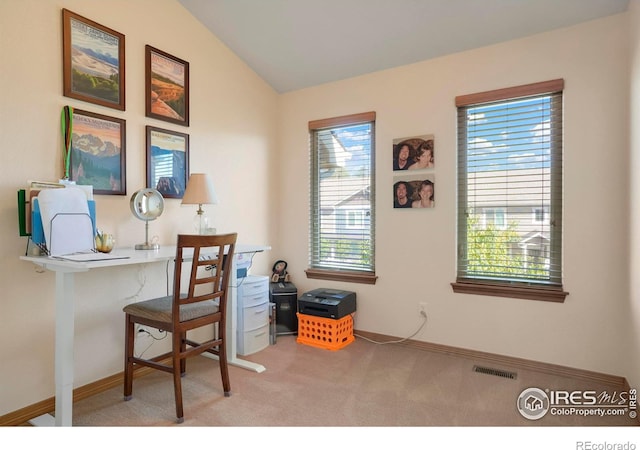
[68,227]
[66,221]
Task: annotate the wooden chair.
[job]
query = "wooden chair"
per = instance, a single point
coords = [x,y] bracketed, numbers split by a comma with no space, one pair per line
[204,303]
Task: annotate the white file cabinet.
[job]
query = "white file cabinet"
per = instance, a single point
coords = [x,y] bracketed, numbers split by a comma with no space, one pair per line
[253,314]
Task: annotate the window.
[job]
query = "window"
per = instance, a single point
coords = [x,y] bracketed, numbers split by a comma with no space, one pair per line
[342,215]
[163,164]
[510,165]
[495,217]
[356,219]
[539,215]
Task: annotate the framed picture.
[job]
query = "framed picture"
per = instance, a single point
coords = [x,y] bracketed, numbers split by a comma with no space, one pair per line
[92,61]
[166,87]
[414,153]
[98,152]
[414,191]
[167,161]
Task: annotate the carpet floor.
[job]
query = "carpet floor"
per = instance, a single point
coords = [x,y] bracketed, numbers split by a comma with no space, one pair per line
[362,385]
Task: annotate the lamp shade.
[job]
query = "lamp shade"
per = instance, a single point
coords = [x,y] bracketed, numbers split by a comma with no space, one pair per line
[200,190]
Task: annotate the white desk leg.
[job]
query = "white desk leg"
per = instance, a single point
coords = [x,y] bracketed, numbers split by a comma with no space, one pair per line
[63,354]
[64,347]
[232,325]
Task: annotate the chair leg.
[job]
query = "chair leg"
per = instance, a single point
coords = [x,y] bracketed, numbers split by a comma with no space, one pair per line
[129,337]
[222,357]
[177,374]
[183,348]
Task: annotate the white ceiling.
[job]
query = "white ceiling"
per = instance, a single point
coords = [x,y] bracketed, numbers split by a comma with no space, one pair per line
[293,44]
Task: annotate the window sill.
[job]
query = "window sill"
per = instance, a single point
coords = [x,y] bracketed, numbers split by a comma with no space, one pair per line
[338,275]
[546,294]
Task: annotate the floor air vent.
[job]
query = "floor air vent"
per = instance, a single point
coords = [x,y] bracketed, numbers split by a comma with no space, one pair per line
[495,372]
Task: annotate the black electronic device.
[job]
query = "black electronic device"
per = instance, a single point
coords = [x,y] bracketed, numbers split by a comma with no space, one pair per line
[285,297]
[329,303]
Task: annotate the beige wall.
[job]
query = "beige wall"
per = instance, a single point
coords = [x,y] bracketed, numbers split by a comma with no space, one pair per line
[255,145]
[415,250]
[232,134]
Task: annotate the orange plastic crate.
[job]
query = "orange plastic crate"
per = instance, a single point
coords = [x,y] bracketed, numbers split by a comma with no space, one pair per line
[330,334]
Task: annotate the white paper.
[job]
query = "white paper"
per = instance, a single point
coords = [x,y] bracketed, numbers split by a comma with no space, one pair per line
[91,256]
[66,221]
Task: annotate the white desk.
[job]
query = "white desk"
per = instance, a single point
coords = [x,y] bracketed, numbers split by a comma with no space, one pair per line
[65,316]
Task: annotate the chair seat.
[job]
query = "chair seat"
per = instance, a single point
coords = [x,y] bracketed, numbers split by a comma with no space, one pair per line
[159,309]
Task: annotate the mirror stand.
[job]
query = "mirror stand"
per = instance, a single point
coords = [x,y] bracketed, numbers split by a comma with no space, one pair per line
[147,245]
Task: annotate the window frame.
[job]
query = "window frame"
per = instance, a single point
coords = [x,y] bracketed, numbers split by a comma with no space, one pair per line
[352,276]
[529,290]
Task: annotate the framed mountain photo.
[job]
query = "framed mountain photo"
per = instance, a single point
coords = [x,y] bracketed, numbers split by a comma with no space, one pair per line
[98,152]
[167,161]
[93,62]
[166,87]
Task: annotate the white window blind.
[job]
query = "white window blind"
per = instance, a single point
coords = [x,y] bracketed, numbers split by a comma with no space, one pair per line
[510,160]
[162,167]
[342,225]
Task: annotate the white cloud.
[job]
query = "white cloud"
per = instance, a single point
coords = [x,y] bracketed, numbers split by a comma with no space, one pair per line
[479,143]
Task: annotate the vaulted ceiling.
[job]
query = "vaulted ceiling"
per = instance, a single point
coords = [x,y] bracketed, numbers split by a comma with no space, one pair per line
[293,44]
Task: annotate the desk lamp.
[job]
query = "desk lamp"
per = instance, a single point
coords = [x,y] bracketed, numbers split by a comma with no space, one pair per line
[200,192]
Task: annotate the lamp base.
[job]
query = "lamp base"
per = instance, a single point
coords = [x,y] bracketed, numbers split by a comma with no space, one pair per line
[147,246]
[201,223]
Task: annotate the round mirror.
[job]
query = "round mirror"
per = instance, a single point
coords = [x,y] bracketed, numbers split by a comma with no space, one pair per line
[147,204]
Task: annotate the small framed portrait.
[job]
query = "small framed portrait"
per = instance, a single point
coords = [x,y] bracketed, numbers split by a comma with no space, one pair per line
[97,154]
[414,191]
[93,62]
[414,153]
[167,161]
[166,87]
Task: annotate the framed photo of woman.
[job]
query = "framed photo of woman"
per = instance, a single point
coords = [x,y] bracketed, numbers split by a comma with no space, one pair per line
[414,153]
[410,191]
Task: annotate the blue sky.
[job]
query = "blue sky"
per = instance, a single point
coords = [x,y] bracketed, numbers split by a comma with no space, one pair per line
[521,143]
[354,139]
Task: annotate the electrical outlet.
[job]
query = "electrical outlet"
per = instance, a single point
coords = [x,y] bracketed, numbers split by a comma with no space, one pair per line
[422,309]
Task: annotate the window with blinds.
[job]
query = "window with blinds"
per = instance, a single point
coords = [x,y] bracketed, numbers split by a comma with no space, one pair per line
[510,192]
[342,199]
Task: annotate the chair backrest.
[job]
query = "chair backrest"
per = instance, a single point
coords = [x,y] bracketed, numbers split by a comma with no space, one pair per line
[211,259]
